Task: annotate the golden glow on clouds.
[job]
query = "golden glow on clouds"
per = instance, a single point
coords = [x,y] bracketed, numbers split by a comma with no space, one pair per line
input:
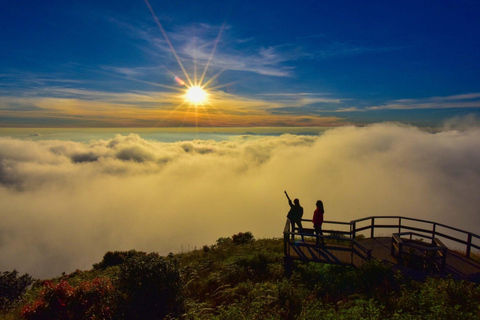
[153,109]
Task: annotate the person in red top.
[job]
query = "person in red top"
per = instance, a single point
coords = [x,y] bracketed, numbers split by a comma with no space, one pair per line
[318,220]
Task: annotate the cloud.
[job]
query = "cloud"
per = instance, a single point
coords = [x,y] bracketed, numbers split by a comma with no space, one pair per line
[471,100]
[462,123]
[301,99]
[229,52]
[267,61]
[58,106]
[337,49]
[63,204]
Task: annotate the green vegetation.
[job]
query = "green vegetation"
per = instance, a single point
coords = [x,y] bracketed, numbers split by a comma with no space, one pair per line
[237,278]
[12,288]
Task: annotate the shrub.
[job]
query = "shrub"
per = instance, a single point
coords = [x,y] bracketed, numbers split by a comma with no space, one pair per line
[90,300]
[116,258]
[376,279]
[255,265]
[151,287]
[12,288]
[440,299]
[223,241]
[242,237]
[95,299]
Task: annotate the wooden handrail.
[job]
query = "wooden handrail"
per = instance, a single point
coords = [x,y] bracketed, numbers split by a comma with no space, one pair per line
[417,220]
[400,224]
[288,237]
[330,222]
[436,247]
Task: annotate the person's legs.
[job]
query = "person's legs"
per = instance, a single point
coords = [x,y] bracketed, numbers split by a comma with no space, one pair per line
[299,222]
[318,231]
[299,226]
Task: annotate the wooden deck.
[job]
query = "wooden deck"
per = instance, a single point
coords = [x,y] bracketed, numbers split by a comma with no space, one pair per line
[308,251]
[417,245]
[461,266]
[456,263]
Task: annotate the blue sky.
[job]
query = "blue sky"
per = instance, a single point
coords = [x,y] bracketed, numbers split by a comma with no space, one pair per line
[266,63]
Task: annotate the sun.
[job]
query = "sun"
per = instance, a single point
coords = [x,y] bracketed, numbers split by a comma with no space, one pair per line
[196,95]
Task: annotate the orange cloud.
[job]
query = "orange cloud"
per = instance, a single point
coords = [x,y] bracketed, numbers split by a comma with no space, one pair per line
[81,108]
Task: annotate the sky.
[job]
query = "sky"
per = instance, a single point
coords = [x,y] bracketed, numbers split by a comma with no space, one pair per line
[262,63]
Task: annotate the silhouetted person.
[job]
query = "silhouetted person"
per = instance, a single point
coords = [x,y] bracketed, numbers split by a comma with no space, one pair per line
[295,214]
[318,220]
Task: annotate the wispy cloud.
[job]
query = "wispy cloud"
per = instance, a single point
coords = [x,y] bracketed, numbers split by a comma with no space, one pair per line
[232,53]
[80,107]
[471,100]
[19,80]
[468,100]
[338,49]
[194,44]
[265,61]
[302,98]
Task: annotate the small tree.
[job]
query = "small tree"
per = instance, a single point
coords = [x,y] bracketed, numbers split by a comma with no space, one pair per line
[151,287]
[116,258]
[242,237]
[12,287]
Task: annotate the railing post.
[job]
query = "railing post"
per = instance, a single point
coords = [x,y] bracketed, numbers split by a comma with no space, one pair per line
[444,259]
[400,254]
[399,224]
[433,232]
[353,230]
[372,228]
[469,245]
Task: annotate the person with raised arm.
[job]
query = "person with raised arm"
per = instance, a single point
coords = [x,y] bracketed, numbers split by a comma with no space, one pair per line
[295,214]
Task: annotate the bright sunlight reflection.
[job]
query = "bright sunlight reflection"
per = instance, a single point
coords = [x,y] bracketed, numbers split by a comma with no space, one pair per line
[196,95]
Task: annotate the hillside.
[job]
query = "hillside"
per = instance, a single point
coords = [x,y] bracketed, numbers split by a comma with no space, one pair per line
[238,278]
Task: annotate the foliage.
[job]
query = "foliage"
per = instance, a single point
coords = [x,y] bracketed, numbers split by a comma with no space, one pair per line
[116,258]
[227,264]
[242,237]
[12,288]
[333,282]
[243,279]
[90,300]
[151,287]
[439,299]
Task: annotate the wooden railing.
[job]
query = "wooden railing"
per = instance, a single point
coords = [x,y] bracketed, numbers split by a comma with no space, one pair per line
[432,255]
[399,224]
[353,246]
[432,232]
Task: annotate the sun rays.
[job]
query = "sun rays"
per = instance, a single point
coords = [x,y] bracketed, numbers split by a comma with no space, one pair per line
[198,93]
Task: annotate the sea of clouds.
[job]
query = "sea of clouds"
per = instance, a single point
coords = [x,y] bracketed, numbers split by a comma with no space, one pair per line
[63,204]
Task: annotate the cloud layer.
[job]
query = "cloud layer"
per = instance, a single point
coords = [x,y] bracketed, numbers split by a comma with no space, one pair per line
[64,204]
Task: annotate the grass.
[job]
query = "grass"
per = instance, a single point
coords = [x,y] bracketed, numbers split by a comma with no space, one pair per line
[237,278]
